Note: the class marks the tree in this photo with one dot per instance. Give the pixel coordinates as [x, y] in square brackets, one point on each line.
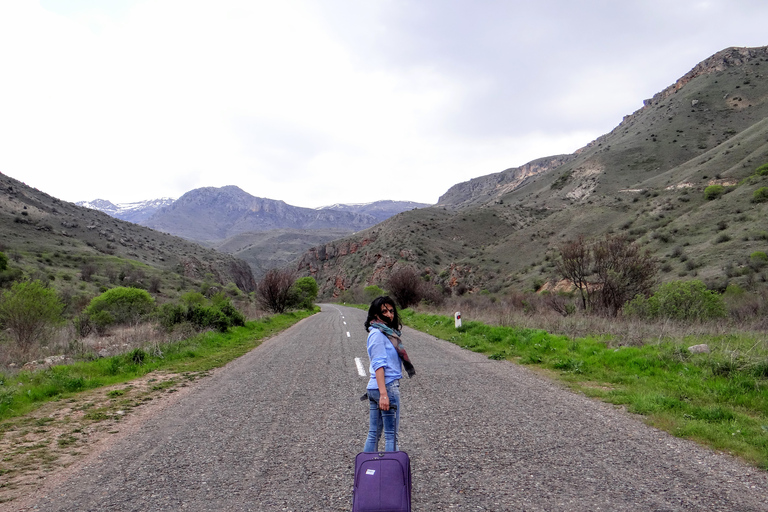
[31, 312]
[274, 290]
[574, 265]
[405, 286]
[607, 272]
[622, 272]
[304, 292]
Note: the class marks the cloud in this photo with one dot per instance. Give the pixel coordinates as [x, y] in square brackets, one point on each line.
[334, 101]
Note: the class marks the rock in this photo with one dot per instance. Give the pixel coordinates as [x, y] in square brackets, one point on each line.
[694, 102]
[699, 349]
[103, 353]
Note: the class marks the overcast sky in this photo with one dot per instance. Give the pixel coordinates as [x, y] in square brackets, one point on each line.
[330, 101]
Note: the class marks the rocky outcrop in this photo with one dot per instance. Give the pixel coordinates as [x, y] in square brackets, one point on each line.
[488, 188]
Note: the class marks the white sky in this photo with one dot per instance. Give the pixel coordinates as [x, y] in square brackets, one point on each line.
[330, 101]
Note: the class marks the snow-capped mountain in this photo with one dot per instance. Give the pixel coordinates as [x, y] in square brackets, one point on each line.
[136, 212]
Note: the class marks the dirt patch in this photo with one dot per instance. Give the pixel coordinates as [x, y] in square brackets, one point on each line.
[44, 447]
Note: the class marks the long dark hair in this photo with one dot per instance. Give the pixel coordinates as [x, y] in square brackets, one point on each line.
[374, 312]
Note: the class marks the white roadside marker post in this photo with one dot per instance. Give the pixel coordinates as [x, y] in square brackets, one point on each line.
[457, 319]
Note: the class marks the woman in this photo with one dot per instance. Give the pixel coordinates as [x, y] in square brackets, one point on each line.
[386, 355]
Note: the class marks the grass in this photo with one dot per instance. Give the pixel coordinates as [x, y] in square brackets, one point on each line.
[719, 399]
[24, 392]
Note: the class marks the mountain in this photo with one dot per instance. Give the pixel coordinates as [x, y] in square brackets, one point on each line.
[380, 210]
[645, 178]
[212, 214]
[81, 251]
[132, 212]
[266, 233]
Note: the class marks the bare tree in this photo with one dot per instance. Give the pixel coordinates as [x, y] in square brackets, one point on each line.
[405, 285]
[87, 271]
[574, 265]
[274, 290]
[607, 272]
[622, 272]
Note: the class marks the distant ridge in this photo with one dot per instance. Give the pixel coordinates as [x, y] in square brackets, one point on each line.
[135, 212]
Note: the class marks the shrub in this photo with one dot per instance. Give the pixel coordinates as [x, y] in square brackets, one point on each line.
[223, 304]
[762, 170]
[171, 314]
[713, 192]
[31, 311]
[371, 292]
[760, 195]
[679, 300]
[3, 261]
[123, 305]
[304, 293]
[220, 314]
[758, 260]
[207, 316]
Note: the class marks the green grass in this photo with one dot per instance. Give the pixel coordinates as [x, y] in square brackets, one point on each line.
[26, 391]
[718, 399]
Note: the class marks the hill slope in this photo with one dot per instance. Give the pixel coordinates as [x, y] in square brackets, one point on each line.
[55, 241]
[646, 178]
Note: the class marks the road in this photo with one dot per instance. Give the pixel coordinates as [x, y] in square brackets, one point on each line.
[278, 430]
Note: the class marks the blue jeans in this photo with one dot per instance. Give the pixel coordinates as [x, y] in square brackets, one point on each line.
[386, 421]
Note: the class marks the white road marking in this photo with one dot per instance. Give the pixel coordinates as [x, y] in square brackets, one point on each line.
[360, 368]
[345, 323]
[348, 334]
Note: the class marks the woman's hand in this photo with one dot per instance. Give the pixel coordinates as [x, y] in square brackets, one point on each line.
[384, 403]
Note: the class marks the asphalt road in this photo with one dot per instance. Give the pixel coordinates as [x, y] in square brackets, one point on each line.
[278, 430]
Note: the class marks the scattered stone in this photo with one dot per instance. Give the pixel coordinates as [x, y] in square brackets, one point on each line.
[699, 349]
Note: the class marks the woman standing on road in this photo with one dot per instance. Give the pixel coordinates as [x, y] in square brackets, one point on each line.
[386, 354]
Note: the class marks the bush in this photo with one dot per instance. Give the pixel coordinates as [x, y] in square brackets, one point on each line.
[31, 311]
[206, 316]
[3, 261]
[713, 192]
[679, 300]
[758, 260]
[304, 293]
[123, 305]
[760, 195]
[762, 170]
[219, 315]
[371, 292]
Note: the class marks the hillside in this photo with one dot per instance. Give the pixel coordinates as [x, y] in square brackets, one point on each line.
[78, 250]
[645, 178]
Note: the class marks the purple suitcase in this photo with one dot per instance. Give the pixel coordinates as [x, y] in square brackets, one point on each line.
[382, 482]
